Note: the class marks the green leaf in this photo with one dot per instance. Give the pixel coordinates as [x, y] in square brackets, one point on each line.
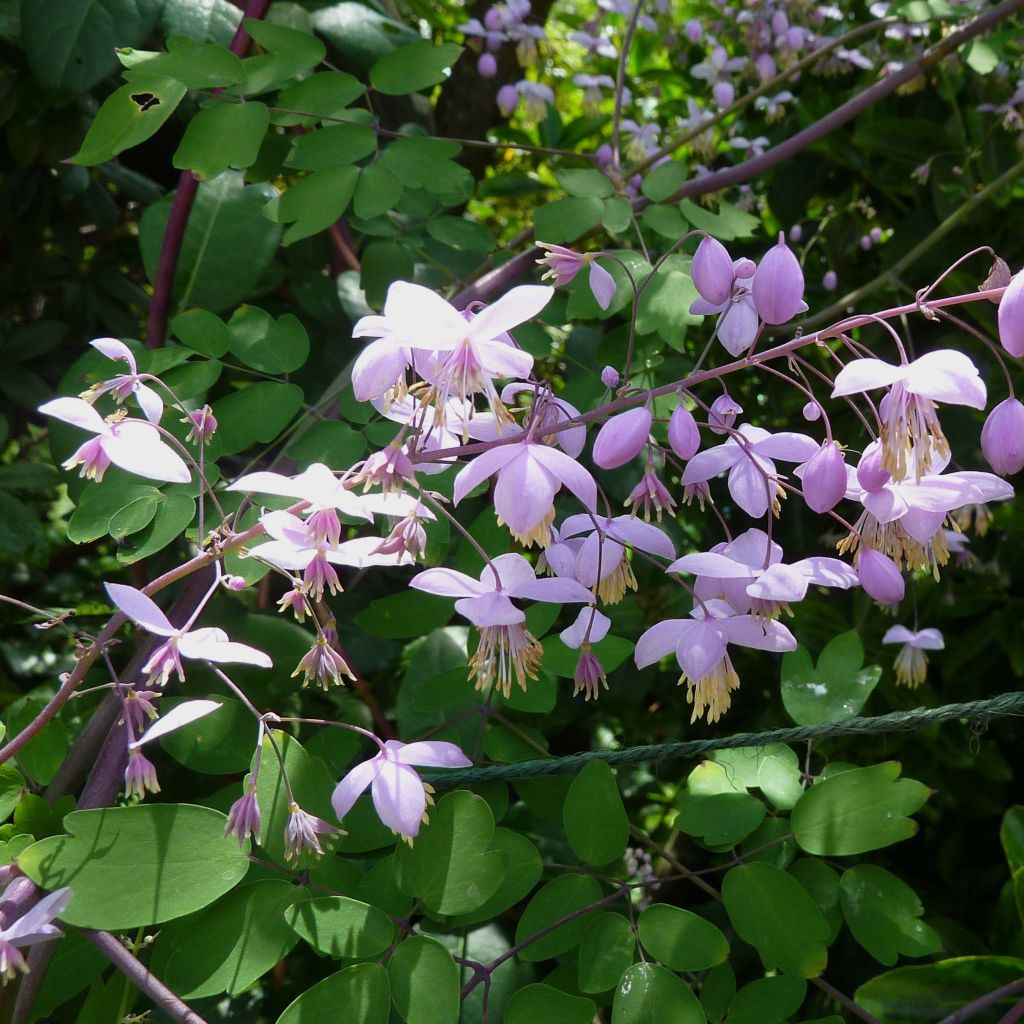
[12, 785]
[258, 412]
[979, 56]
[203, 331]
[774, 769]
[227, 219]
[220, 743]
[99, 504]
[196, 64]
[536, 1003]
[560, 898]
[720, 819]
[858, 810]
[612, 651]
[173, 515]
[725, 225]
[175, 855]
[586, 183]
[606, 950]
[717, 989]
[340, 927]
[382, 264]
[428, 164]
[773, 912]
[835, 690]
[70, 44]
[359, 33]
[406, 614]
[522, 872]
[928, 993]
[648, 994]
[272, 346]
[231, 943]
[462, 234]
[767, 999]
[136, 515]
[362, 990]
[377, 192]
[424, 982]
[323, 96]
[43, 755]
[212, 20]
[330, 442]
[661, 181]
[616, 214]
[884, 915]
[317, 201]
[288, 51]
[680, 939]
[665, 305]
[222, 136]
[129, 115]
[822, 885]
[565, 220]
[449, 866]
[329, 147]
[413, 67]
[594, 819]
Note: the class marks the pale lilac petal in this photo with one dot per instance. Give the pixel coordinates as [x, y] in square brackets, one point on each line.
[898, 635]
[419, 316]
[639, 534]
[140, 608]
[553, 589]
[935, 493]
[748, 486]
[525, 492]
[656, 642]
[751, 547]
[710, 462]
[700, 646]
[707, 563]
[561, 559]
[865, 375]
[34, 925]
[150, 403]
[377, 369]
[593, 552]
[571, 474]
[783, 583]
[588, 618]
[987, 486]
[579, 523]
[181, 714]
[75, 411]
[429, 754]
[701, 307]
[483, 466]
[489, 609]
[399, 798]
[266, 483]
[361, 552]
[828, 572]
[512, 568]
[922, 524]
[137, 448]
[503, 360]
[447, 583]
[212, 644]
[372, 326]
[788, 446]
[748, 631]
[511, 310]
[602, 285]
[947, 376]
[928, 640]
[283, 554]
[114, 349]
[351, 787]
[886, 504]
[737, 327]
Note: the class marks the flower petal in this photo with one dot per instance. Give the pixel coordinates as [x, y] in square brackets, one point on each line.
[399, 797]
[865, 375]
[552, 589]
[75, 411]
[511, 310]
[431, 754]
[710, 564]
[351, 787]
[898, 635]
[749, 487]
[140, 608]
[447, 583]
[151, 404]
[748, 631]
[602, 285]
[490, 609]
[589, 618]
[700, 646]
[378, 368]
[114, 349]
[212, 644]
[34, 925]
[710, 462]
[947, 376]
[137, 448]
[483, 466]
[525, 492]
[657, 641]
[569, 472]
[181, 714]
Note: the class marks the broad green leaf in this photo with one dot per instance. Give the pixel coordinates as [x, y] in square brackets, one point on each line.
[979, 56]
[449, 866]
[134, 516]
[12, 785]
[460, 233]
[362, 990]
[833, 691]
[543, 1003]
[665, 305]
[214, 21]
[231, 943]
[70, 44]
[99, 504]
[720, 819]
[606, 951]
[428, 164]
[859, 810]
[217, 744]
[331, 147]
[522, 872]
[258, 412]
[340, 927]
[928, 993]
[649, 994]
[413, 67]
[728, 223]
[287, 52]
[226, 219]
[774, 769]
[773, 912]
[594, 819]
[377, 191]
[222, 136]
[196, 64]
[406, 614]
[717, 990]
[129, 115]
[612, 651]
[203, 331]
[173, 515]
[1011, 835]
[323, 96]
[822, 885]
[330, 442]
[43, 755]
[382, 264]
[565, 220]
[175, 855]
[681, 939]
[884, 914]
[359, 33]
[587, 183]
[616, 214]
[317, 201]
[661, 181]
[272, 346]
[424, 982]
[767, 999]
[570, 896]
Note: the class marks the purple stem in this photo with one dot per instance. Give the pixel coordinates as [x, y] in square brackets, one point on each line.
[975, 1007]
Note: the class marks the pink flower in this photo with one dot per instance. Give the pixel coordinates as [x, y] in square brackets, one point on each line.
[1002, 437]
[140, 776]
[564, 264]
[323, 665]
[34, 926]
[590, 627]
[210, 644]
[880, 577]
[650, 493]
[622, 437]
[127, 384]
[317, 485]
[778, 286]
[683, 434]
[753, 478]
[911, 662]
[507, 649]
[738, 323]
[244, 816]
[700, 645]
[823, 477]
[722, 414]
[712, 271]
[129, 444]
[529, 475]
[911, 433]
[303, 832]
[399, 795]
[1011, 317]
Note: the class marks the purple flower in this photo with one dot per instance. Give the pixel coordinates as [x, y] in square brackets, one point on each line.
[486, 65]
[830, 282]
[722, 414]
[811, 412]
[700, 645]
[529, 476]
[202, 425]
[622, 437]
[244, 816]
[323, 665]
[911, 662]
[880, 577]
[610, 378]
[140, 776]
[712, 271]
[303, 832]
[129, 444]
[564, 264]
[34, 926]
[778, 286]
[1002, 437]
[127, 384]
[911, 433]
[507, 100]
[650, 494]
[399, 795]
[723, 93]
[507, 649]
[738, 323]
[683, 434]
[824, 478]
[1011, 317]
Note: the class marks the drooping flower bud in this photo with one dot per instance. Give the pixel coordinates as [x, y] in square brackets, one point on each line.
[712, 271]
[871, 472]
[507, 100]
[879, 577]
[683, 435]
[824, 478]
[610, 377]
[1011, 317]
[1002, 437]
[778, 286]
[812, 412]
[796, 232]
[622, 438]
[589, 675]
[724, 93]
[487, 66]
[830, 282]
[723, 413]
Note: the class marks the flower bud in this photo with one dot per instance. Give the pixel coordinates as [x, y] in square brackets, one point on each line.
[508, 100]
[830, 282]
[778, 285]
[871, 472]
[1002, 437]
[879, 577]
[812, 412]
[824, 478]
[712, 271]
[610, 377]
[744, 268]
[796, 232]
[487, 66]
[1011, 317]
[604, 155]
[683, 435]
[723, 93]
[875, 234]
[865, 242]
[694, 30]
[622, 438]
[723, 413]
[766, 69]
[492, 20]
